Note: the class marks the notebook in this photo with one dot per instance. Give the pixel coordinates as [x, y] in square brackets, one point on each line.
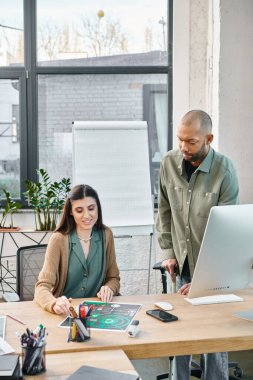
[8, 364]
[246, 314]
[93, 373]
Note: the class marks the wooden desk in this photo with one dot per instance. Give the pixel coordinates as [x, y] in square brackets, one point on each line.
[206, 328]
[62, 365]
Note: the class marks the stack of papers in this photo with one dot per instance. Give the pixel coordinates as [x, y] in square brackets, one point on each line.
[217, 298]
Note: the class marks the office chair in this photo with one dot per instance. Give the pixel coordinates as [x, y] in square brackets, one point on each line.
[29, 263]
[195, 367]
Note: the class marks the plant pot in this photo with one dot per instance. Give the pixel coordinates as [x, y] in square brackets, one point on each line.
[8, 229]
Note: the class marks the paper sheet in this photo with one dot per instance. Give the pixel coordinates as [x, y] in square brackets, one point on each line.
[5, 348]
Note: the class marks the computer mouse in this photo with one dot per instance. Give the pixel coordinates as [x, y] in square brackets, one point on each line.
[164, 305]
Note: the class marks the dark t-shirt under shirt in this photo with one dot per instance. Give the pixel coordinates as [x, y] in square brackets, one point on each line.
[189, 169]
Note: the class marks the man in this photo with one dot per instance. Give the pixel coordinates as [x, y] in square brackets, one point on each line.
[193, 178]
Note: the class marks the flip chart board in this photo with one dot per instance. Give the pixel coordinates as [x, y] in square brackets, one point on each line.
[113, 158]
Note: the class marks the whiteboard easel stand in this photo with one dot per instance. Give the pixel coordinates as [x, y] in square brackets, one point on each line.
[113, 168]
[151, 243]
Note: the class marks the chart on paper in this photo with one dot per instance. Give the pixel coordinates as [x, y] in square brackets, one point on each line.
[110, 316]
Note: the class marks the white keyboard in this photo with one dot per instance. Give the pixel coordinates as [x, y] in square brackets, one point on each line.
[217, 298]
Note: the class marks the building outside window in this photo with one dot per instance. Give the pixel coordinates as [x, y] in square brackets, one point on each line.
[105, 60]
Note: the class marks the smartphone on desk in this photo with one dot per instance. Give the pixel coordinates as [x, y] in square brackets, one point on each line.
[162, 315]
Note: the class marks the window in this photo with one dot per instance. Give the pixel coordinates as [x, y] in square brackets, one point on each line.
[11, 33]
[67, 98]
[9, 137]
[155, 113]
[62, 61]
[86, 30]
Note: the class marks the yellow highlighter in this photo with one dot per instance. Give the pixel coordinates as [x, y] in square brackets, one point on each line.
[73, 331]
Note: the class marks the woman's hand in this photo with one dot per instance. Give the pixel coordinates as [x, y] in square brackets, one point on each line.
[105, 293]
[62, 305]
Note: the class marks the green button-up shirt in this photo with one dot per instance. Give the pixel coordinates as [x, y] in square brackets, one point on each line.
[183, 207]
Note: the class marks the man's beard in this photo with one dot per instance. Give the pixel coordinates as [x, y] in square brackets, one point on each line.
[199, 156]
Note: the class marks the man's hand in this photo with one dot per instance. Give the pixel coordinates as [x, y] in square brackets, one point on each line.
[170, 265]
[184, 290]
[62, 305]
[105, 293]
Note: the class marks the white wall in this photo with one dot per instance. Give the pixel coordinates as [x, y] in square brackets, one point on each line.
[189, 58]
[213, 68]
[180, 62]
[236, 89]
[213, 60]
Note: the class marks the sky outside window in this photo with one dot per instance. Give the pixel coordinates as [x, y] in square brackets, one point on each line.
[84, 29]
[11, 33]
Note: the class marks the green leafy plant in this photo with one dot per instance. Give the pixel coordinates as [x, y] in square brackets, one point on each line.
[9, 208]
[47, 199]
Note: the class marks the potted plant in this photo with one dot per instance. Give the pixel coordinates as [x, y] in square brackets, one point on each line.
[9, 208]
[47, 199]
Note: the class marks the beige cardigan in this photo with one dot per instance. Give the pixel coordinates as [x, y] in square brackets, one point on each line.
[53, 275]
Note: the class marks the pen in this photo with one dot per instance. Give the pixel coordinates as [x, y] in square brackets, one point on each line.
[69, 336]
[15, 319]
[91, 308]
[73, 312]
[38, 330]
[82, 312]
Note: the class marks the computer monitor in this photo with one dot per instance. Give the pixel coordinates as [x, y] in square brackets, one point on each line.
[226, 254]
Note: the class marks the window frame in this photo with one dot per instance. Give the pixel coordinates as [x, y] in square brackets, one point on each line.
[28, 76]
[149, 90]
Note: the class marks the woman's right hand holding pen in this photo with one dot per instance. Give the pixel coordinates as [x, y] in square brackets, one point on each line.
[62, 305]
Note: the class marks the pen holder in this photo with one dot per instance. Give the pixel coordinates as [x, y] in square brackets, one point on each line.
[79, 330]
[33, 359]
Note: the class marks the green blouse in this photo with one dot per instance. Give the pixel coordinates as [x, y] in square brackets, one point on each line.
[85, 276]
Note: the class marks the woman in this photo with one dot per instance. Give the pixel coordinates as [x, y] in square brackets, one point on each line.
[80, 260]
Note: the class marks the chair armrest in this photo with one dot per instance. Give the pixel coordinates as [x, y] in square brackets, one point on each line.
[158, 266]
[11, 297]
